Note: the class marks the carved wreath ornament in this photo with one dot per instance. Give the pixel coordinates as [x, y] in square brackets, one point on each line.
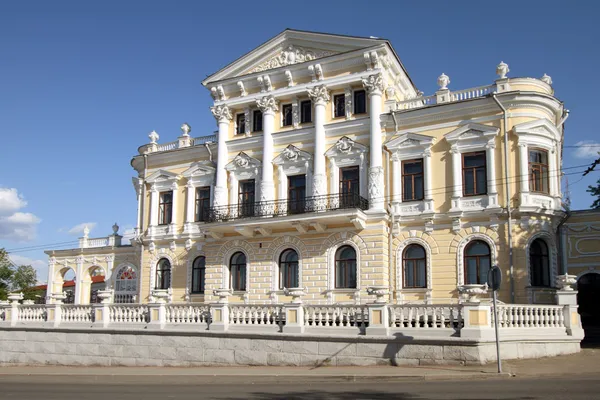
[291, 55]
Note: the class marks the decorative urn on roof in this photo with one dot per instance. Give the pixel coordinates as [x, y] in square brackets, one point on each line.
[443, 81]
[502, 70]
[186, 129]
[153, 137]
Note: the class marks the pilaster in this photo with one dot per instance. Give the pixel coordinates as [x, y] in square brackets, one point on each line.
[223, 117]
[320, 97]
[373, 84]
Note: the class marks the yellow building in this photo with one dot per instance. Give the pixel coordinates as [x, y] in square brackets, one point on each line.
[330, 171]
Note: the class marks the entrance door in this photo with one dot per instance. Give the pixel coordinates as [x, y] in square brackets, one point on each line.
[588, 298]
[296, 194]
[349, 186]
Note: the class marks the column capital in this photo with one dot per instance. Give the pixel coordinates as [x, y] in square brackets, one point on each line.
[189, 184]
[373, 84]
[267, 104]
[319, 94]
[221, 113]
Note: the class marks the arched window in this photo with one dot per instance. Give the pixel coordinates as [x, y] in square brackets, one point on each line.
[415, 270]
[477, 262]
[345, 268]
[198, 273]
[288, 269]
[539, 263]
[163, 274]
[125, 285]
[237, 271]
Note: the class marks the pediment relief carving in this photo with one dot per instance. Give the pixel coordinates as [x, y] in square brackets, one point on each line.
[291, 154]
[471, 131]
[291, 54]
[346, 148]
[410, 140]
[541, 127]
[199, 169]
[242, 161]
[162, 176]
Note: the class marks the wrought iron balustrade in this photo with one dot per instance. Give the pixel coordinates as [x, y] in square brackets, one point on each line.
[280, 208]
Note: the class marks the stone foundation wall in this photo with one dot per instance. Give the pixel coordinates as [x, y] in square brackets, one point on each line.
[20, 346]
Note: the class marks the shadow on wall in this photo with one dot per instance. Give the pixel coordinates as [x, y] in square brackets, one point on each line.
[390, 352]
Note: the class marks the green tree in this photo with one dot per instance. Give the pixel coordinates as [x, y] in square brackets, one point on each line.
[15, 279]
[595, 191]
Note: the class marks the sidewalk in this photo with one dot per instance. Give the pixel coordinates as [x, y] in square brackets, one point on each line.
[586, 362]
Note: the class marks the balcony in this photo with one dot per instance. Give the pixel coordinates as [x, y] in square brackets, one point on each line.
[313, 212]
[281, 208]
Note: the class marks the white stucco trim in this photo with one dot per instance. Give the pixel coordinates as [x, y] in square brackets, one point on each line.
[460, 267]
[400, 266]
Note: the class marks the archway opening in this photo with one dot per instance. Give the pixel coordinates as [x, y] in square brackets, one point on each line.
[125, 281]
[64, 282]
[92, 281]
[588, 298]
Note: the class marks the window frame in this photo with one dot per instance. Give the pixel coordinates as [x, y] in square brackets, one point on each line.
[355, 102]
[285, 107]
[199, 210]
[474, 170]
[160, 271]
[347, 267]
[334, 105]
[544, 179]
[415, 267]
[240, 129]
[303, 120]
[478, 261]
[243, 287]
[257, 121]
[284, 267]
[412, 177]
[165, 209]
[202, 276]
[542, 263]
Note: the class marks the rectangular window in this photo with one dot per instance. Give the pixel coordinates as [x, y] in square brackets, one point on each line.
[474, 174]
[165, 208]
[339, 105]
[412, 180]
[202, 202]
[286, 115]
[349, 186]
[246, 198]
[538, 171]
[360, 102]
[240, 124]
[257, 120]
[305, 112]
[296, 194]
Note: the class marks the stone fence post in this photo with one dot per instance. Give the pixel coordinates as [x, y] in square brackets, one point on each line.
[220, 310]
[379, 313]
[477, 319]
[568, 299]
[102, 310]
[55, 309]
[294, 311]
[14, 308]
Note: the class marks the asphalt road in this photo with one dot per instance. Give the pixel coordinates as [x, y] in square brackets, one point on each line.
[66, 387]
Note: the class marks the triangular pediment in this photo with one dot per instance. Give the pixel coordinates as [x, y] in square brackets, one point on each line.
[345, 146]
[291, 47]
[200, 168]
[162, 176]
[471, 131]
[409, 139]
[242, 161]
[539, 127]
[290, 155]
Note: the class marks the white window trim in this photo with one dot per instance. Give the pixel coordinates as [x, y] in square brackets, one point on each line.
[552, 255]
[290, 162]
[154, 263]
[243, 167]
[410, 146]
[226, 274]
[333, 95]
[544, 135]
[347, 153]
[473, 137]
[460, 259]
[200, 174]
[275, 269]
[191, 257]
[400, 290]
[331, 269]
[162, 181]
[115, 271]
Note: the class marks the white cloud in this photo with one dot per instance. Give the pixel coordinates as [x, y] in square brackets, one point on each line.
[41, 266]
[78, 229]
[10, 201]
[586, 149]
[15, 225]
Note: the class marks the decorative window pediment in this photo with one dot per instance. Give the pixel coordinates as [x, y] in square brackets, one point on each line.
[409, 145]
[201, 168]
[471, 136]
[540, 132]
[243, 166]
[292, 155]
[346, 149]
[162, 179]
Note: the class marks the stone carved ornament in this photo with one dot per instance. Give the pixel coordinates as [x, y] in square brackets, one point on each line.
[291, 55]
[373, 83]
[267, 104]
[221, 113]
[344, 145]
[291, 153]
[375, 181]
[319, 94]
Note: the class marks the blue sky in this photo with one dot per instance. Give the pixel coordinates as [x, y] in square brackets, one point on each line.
[83, 83]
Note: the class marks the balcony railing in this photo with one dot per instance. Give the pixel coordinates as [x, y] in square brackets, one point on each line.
[280, 208]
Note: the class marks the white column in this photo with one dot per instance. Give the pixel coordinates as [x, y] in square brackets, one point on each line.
[173, 226]
[524, 167]
[137, 185]
[374, 86]
[190, 213]
[110, 263]
[223, 117]
[490, 153]
[320, 97]
[396, 179]
[50, 286]
[428, 181]
[268, 106]
[78, 280]
[282, 185]
[456, 178]
[153, 206]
